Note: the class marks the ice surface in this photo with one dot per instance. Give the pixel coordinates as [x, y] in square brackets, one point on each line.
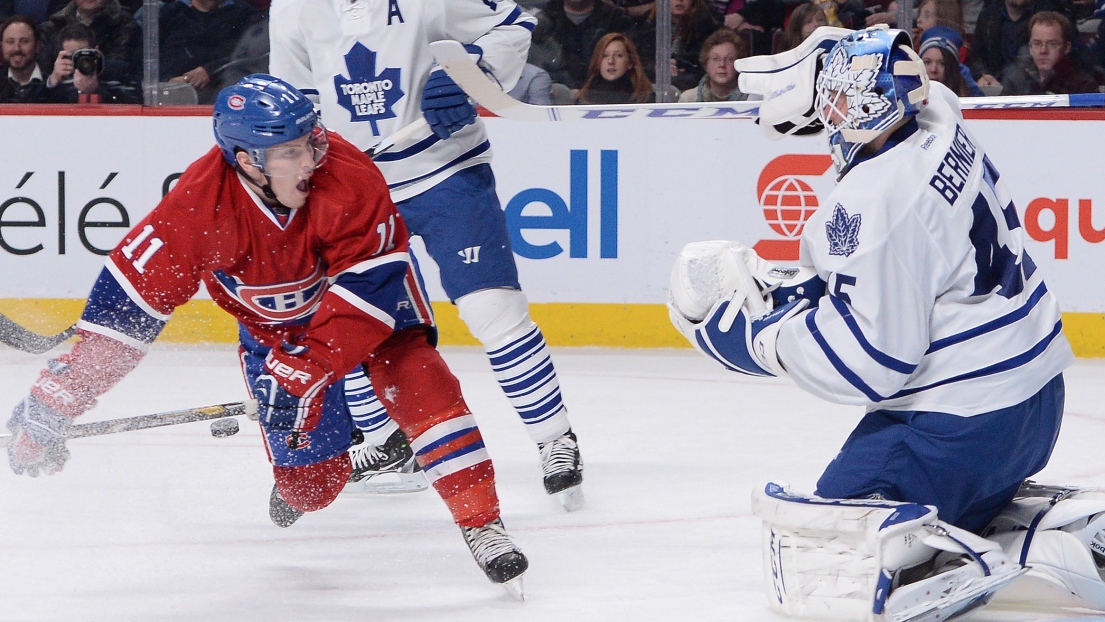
[172, 524]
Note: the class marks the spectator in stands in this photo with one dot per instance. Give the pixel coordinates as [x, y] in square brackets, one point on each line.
[37, 10]
[934, 13]
[576, 27]
[615, 75]
[804, 19]
[637, 9]
[940, 46]
[19, 45]
[756, 19]
[114, 27]
[534, 86]
[1049, 67]
[1001, 33]
[77, 71]
[691, 22]
[198, 39]
[719, 52]
[250, 55]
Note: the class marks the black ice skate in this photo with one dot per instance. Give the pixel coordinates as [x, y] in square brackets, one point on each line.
[563, 469]
[394, 460]
[282, 514]
[497, 555]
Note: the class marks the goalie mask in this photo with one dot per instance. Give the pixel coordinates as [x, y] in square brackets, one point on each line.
[872, 79]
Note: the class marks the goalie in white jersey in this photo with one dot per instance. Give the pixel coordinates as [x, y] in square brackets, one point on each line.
[369, 67]
[917, 300]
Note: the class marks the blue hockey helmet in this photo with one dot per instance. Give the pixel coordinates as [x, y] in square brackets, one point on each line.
[871, 80]
[262, 111]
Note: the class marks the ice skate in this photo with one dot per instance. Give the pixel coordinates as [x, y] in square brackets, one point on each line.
[497, 555]
[282, 514]
[386, 469]
[563, 469]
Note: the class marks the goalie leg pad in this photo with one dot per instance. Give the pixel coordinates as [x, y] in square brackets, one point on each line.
[844, 559]
[1059, 534]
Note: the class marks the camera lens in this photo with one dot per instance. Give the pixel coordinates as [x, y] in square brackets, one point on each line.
[89, 61]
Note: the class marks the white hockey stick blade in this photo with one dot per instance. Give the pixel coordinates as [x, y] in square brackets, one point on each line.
[144, 422]
[389, 484]
[400, 138]
[456, 62]
[571, 499]
[514, 589]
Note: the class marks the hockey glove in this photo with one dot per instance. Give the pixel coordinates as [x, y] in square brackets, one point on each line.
[787, 83]
[291, 392]
[445, 105]
[38, 438]
[740, 341]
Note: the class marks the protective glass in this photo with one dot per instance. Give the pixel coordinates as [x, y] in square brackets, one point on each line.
[298, 156]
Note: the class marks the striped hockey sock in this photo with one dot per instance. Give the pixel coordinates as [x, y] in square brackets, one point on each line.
[453, 457]
[524, 369]
[367, 411]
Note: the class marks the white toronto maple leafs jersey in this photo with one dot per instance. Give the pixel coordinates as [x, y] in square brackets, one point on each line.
[931, 302]
[365, 62]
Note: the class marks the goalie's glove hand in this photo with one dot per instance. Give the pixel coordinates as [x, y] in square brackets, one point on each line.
[291, 392]
[445, 105]
[739, 340]
[38, 438]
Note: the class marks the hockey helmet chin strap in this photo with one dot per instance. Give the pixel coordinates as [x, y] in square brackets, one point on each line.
[266, 189]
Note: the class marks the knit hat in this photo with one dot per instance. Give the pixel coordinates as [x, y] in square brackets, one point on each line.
[941, 37]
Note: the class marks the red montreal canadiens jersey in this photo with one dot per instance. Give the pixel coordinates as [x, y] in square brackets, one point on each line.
[339, 265]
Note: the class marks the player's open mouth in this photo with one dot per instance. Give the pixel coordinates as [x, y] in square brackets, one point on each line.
[303, 186]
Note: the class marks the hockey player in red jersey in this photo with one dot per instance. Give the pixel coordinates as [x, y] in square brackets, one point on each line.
[294, 233]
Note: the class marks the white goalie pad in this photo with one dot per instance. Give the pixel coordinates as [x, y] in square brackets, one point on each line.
[873, 560]
[1059, 534]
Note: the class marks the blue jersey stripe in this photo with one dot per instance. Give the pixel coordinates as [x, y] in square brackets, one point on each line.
[997, 368]
[445, 439]
[838, 364]
[110, 306]
[475, 151]
[415, 149]
[881, 358]
[992, 325]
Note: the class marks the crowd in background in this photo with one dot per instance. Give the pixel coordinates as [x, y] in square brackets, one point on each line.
[583, 51]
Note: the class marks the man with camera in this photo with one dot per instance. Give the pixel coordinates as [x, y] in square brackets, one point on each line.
[76, 75]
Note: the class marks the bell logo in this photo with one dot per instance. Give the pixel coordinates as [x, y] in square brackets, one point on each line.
[788, 201]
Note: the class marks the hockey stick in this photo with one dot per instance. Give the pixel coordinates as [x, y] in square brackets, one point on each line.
[144, 422]
[402, 135]
[20, 338]
[453, 58]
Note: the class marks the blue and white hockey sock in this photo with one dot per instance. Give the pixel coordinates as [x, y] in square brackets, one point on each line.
[368, 413]
[524, 369]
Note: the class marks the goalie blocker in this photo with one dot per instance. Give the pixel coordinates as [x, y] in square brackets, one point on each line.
[877, 560]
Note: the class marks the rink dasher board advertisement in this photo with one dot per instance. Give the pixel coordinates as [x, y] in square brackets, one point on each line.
[596, 210]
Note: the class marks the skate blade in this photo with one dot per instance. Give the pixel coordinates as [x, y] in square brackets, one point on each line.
[390, 484]
[571, 498]
[514, 588]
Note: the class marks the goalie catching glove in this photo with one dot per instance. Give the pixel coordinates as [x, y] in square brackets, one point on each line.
[729, 303]
[291, 392]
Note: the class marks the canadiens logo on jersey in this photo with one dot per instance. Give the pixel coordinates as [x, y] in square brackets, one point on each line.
[281, 302]
[843, 232]
[367, 95]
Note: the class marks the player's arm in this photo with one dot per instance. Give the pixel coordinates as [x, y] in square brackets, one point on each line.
[866, 336]
[143, 279]
[288, 57]
[496, 32]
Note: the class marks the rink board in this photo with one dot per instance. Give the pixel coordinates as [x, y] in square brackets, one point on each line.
[597, 210]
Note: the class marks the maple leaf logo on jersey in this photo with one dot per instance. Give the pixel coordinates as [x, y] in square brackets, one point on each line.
[367, 95]
[843, 232]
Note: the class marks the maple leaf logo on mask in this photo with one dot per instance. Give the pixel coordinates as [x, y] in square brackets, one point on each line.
[367, 96]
